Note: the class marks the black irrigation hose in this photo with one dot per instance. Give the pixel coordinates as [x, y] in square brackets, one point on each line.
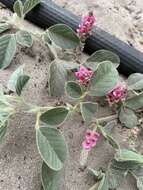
[48, 13]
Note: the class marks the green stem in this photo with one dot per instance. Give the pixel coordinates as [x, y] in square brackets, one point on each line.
[37, 120]
[106, 119]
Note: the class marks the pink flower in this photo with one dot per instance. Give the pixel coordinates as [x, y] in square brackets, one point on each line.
[86, 25]
[83, 75]
[91, 139]
[135, 131]
[119, 93]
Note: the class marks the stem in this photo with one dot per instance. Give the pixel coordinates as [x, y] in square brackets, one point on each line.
[106, 119]
[37, 120]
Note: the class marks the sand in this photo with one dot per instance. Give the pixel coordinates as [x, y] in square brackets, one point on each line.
[20, 163]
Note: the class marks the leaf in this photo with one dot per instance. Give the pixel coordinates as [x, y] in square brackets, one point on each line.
[3, 129]
[138, 174]
[115, 176]
[55, 116]
[123, 155]
[18, 8]
[135, 81]
[140, 183]
[104, 80]
[135, 102]
[97, 173]
[50, 178]
[4, 27]
[24, 38]
[102, 56]
[57, 79]
[7, 50]
[29, 5]
[109, 127]
[88, 110]
[103, 184]
[63, 36]
[73, 90]
[128, 118]
[52, 147]
[21, 82]
[14, 77]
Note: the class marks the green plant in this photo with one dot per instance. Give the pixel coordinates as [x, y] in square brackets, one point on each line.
[85, 84]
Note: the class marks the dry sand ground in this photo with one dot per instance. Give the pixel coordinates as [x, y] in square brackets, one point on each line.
[19, 161]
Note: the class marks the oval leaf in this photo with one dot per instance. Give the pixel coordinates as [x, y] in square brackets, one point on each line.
[52, 147]
[104, 80]
[21, 82]
[18, 8]
[57, 79]
[73, 90]
[102, 56]
[128, 118]
[135, 102]
[55, 116]
[50, 178]
[88, 110]
[24, 38]
[135, 81]
[29, 5]
[63, 36]
[7, 50]
[14, 77]
[103, 184]
[4, 27]
[123, 155]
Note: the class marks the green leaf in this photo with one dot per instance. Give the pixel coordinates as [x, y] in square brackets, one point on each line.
[125, 165]
[73, 90]
[102, 56]
[7, 50]
[63, 36]
[3, 129]
[138, 174]
[14, 77]
[104, 80]
[88, 110]
[135, 102]
[140, 183]
[4, 27]
[50, 178]
[55, 116]
[123, 155]
[29, 5]
[115, 176]
[97, 173]
[135, 81]
[21, 82]
[128, 118]
[52, 147]
[57, 79]
[24, 38]
[103, 184]
[18, 8]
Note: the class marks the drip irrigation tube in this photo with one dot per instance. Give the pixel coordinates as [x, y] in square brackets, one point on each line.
[48, 13]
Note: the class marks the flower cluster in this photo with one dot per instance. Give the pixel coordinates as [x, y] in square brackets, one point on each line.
[83, 75]
[91, 139]
[119, 93]
[135, 132]
[86, 25]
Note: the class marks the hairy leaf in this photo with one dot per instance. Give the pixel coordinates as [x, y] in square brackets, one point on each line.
[50, 178]
[63, 36]
[24, 38]
[14, 77]
[73, 90]
[103, 184]
[55, 116]
[135, 81]
[104, 80]
[29, 5]
[102, 56]
[138, 174]
[135, 102]
[7, 50]
[21, 82]
[18, 8]
[52, 147]
[4, 27]
[57, 79]
[3, 129]
[123, 155]
[88, 110]
[128, 118]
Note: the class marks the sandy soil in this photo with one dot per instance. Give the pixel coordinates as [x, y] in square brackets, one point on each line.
[19, 160]
[122, 18]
